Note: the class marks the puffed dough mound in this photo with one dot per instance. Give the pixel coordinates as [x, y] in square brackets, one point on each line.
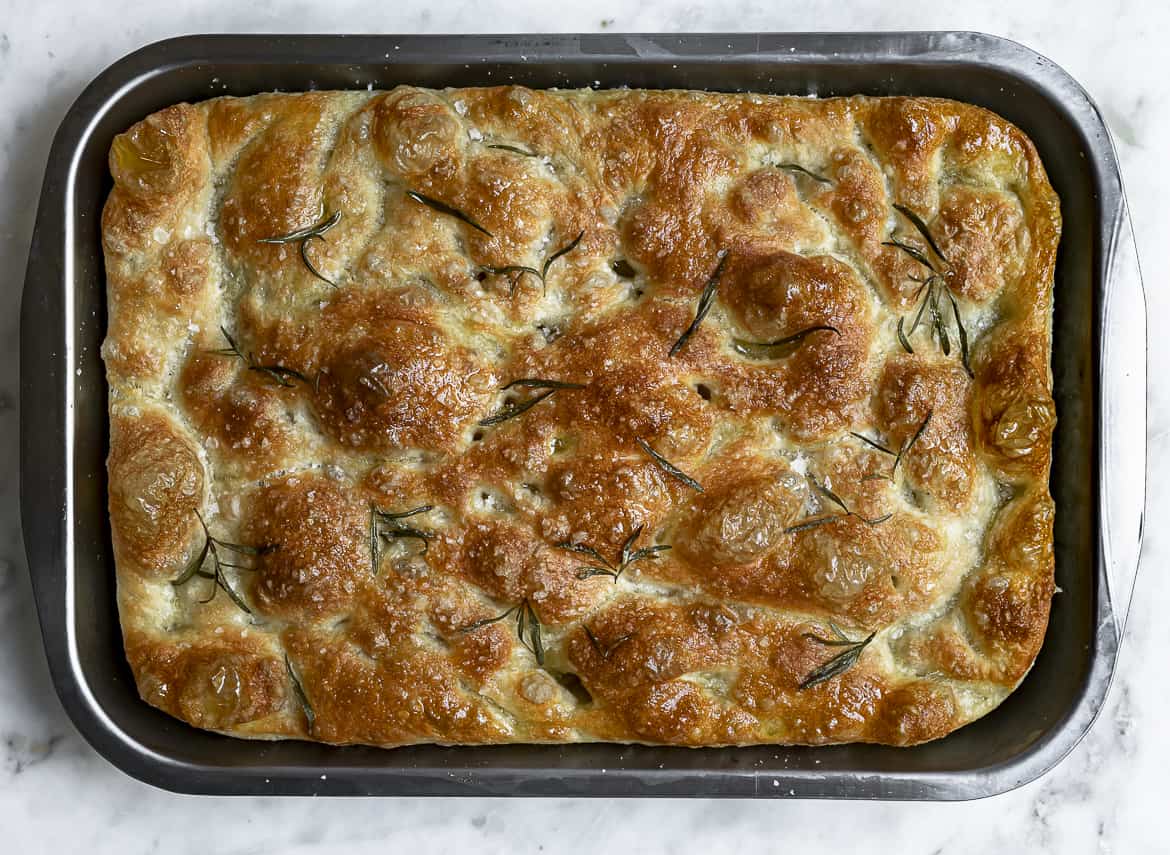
[270, 585]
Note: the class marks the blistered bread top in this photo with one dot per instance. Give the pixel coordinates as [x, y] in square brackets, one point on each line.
[775, 469]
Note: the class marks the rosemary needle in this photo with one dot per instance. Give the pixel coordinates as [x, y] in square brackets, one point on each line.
[278, 373]
[706, 300]
[511, 410]
[668, 467]
[528, 629]
[604, 650]
[626, 557]
[921, 227]
[840, 663]
[542, 274]
[781, 347]
[514, 149]
[219, 582]
[301, 237]
[796, 167]
[385, 525]
[444, 208]
[814, 522]
[299, 691]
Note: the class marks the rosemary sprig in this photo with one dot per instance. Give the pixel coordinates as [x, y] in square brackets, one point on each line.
[814, 522]
[796, 167]
[527, 624]
[913, 251]
[301, 237]
[902, 451]
[781, 347]
[932, 286]
[922, 229]
[212, 546]
[299, 691]
[512, 148]
[706, 299]
[444, 208]
[511, 410]
[668, 467]
[542, 274]
[386, 526]
[278, 373]
[840, 663]
[627, 556]
[604, 650]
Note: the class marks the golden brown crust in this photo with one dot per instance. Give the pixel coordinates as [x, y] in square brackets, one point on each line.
[220, 687]
[156, 486]
[316, 521]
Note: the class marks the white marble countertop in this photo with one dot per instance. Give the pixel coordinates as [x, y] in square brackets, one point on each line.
[57, 795]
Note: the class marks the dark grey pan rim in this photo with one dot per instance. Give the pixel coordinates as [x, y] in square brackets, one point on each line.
[1114, 373]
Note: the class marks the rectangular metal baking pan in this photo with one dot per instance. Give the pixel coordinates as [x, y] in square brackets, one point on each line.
[1099, 364]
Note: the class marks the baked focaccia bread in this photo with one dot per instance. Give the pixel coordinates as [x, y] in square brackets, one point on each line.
[499, 415]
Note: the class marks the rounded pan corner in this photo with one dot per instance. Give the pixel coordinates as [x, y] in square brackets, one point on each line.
[128, 756]
[1065, 89]
[1052, 750]
[147, 61]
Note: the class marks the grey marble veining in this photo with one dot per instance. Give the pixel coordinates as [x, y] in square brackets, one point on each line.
[57, 795]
